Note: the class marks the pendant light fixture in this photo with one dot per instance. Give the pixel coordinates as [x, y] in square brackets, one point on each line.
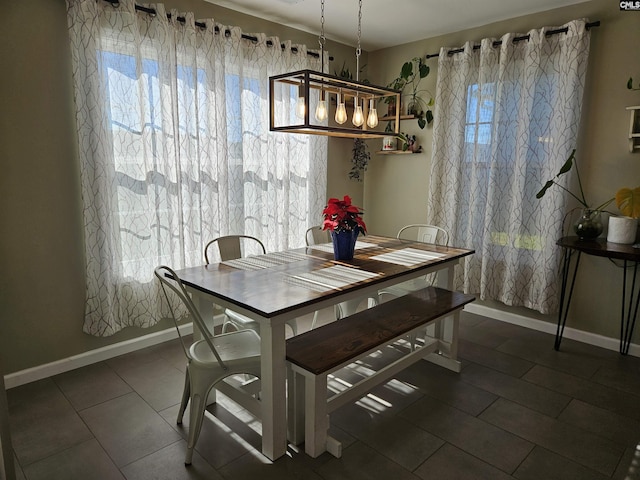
[301, 101]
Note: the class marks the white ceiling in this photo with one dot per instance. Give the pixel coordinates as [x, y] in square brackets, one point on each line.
[386, 23]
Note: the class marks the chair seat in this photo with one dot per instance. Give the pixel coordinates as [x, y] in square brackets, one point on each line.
[405, 288]
[242, 322]
[243, 344]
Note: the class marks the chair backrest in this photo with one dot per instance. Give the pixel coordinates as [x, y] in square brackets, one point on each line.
[170, 282]
[316, 235]
[425, 234]
[231, 247]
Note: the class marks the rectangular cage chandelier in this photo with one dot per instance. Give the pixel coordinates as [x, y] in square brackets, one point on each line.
[316, 103]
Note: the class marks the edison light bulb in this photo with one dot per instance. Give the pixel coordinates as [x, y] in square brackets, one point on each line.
[341, 111]
[321, 109]
[300, 107]
[372, 119]
[358, 116]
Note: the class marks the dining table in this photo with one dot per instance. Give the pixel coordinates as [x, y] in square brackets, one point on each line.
[279, 286]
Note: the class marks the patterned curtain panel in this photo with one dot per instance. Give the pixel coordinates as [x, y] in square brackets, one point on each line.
[507, 118]
[174, 148]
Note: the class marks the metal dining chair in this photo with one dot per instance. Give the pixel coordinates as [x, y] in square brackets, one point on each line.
[314, 236]
[210, 360]
[420, 233]
[232, 247]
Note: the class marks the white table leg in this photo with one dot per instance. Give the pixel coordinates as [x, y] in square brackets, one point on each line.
[446, 329]
[273, 397]
[295, 406]
[7, 470]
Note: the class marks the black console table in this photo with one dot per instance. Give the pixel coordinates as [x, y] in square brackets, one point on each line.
[601, 248]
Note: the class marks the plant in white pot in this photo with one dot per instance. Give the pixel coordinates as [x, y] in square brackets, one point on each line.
[624, 229]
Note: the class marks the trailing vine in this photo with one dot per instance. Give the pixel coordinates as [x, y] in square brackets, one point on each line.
[360, 159]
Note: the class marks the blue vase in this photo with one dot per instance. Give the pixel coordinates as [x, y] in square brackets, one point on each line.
[344, 244]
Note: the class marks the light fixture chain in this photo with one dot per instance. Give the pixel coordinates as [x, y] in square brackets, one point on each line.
[359, 50]
[322, 39]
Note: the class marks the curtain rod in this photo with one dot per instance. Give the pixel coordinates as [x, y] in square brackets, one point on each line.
[497, 43]
[152, 11]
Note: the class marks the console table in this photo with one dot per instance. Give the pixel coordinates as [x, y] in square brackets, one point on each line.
[599, 247]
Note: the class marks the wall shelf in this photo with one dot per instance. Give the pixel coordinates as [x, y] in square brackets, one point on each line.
[392, 118]
[397, 152]
[634, 129]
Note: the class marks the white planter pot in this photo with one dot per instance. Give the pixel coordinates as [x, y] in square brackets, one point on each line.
[622, 230]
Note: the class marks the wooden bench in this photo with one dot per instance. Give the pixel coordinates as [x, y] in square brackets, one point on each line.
[314, 355]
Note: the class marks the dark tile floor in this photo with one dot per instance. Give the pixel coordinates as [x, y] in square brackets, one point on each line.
[518, 409]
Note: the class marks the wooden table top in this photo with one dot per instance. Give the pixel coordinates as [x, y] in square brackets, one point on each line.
[281, 288]
[601, 248]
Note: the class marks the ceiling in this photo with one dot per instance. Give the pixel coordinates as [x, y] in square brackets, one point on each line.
[388, 23]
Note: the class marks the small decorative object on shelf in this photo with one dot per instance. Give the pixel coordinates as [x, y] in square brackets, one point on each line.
[634, 129]
[389, 143]
[343, 220]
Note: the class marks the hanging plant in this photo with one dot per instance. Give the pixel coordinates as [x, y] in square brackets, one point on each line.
[360, 159]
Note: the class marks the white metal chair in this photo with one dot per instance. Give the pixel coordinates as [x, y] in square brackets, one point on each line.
[313, 236]
[210, 360]
[421, 233]
[232, 247]
[316, 235]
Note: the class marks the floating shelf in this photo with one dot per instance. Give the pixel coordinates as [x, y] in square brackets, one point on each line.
[397, 152]
[402, 117]
[634, 128]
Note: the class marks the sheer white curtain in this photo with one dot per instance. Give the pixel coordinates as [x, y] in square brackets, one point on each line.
[175, 150]
[507, 118]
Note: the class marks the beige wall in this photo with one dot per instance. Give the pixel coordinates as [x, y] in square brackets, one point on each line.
[41, 246]
[397, 186]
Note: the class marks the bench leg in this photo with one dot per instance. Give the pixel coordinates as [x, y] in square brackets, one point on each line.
[447, 333]
[316, 417]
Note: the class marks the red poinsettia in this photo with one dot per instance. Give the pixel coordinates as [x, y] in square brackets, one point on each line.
[340, 215]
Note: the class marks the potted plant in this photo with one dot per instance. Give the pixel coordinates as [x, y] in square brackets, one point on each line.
[624, 229]
[343, 221]
[409, 142]
[589, 225]
[408, 82]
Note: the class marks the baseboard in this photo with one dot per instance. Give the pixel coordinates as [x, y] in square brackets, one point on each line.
[93, 356]
[87, 358]
[535, 324]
